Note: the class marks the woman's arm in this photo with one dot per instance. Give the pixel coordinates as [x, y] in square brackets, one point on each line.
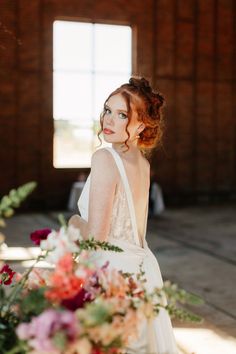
[79, 223]
[103, 180]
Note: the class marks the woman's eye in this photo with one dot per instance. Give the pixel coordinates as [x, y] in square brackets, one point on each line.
[107, 110]
[123, 116]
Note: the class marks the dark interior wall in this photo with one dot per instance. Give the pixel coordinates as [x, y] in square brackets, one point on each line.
[186, 48]
[195, 67]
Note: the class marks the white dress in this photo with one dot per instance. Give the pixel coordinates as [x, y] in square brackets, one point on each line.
[156, 337]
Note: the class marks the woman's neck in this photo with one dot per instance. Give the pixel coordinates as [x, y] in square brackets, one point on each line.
[122, 149]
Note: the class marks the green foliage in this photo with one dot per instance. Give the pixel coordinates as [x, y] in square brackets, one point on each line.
[2, 295]
[60, 340]
[13, 200]
[177, 296]
[8, 337]
[62, 220]
[29, 305]
[95, 313]
[21, 347]
[183, 315]
[175, 293]
[33, 304]
[92, 244]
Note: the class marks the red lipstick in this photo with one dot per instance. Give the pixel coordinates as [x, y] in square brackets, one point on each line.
[108, 131]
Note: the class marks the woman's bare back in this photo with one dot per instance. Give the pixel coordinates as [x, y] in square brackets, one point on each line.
[138, 173]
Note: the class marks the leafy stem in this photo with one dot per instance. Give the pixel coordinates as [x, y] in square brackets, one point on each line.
[19, 286]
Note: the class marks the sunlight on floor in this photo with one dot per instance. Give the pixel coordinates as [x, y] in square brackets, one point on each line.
[204, 341]
[19, 253]
[40, 264]
[23, 256]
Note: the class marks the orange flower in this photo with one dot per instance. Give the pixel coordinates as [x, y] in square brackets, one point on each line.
[63, 287]
[64, 284]
[113, 283]
[65, 264]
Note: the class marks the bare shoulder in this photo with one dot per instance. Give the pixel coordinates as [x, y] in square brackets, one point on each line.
[103, 160]
[101, 155]
[146, 163]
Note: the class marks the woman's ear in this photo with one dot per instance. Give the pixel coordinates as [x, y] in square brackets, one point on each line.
[141, 127]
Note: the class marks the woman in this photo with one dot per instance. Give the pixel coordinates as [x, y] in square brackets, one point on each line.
[114, 201]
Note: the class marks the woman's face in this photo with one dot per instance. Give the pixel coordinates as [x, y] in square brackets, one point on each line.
[115, 120]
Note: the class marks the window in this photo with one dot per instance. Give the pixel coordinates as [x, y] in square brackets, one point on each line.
[89, 61]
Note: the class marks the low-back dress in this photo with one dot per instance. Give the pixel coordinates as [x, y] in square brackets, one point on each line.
[156, 337]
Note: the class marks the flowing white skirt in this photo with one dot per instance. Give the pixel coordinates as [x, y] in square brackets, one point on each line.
[156, 337]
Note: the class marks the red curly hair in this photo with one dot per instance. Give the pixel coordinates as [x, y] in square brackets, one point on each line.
[148, 105]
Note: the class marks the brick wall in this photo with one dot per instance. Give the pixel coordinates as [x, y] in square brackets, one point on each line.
[186, 48]
[195, 57]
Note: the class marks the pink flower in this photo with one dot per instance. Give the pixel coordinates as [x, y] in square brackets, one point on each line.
[39, 235]
[41, 330]
[18, 277]
[6, 275]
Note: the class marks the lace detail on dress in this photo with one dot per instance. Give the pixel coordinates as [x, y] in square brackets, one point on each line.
[120, 226]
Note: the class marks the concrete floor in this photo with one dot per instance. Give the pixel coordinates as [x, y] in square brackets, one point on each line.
[196, 248]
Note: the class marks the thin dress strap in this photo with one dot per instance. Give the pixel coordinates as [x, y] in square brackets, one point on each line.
[146, 217]
[124, 177]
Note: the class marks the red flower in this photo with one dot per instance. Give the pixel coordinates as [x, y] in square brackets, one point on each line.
[6, 275]
[96, 350]
[39, 235]
[77, 301]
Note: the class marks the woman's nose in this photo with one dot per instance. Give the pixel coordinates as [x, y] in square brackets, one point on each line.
[110, 119]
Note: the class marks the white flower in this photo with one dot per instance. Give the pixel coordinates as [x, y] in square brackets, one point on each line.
[74, 233]
[81, 273]
[60, 242]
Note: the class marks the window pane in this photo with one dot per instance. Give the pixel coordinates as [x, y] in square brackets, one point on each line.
[72, 96]
[72, 45]
[104, 85]
[112, 48]
[72, 145]
[89, 61]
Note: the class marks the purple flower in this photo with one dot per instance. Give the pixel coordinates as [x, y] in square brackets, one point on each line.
[42, 329]
[39, 235]
[6, 275]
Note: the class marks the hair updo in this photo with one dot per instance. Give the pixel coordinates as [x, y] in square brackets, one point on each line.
[148, 104]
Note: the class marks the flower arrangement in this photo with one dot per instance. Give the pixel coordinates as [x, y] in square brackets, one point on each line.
[74, 306]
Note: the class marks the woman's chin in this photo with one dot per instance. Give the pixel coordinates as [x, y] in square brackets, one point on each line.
[108, 138]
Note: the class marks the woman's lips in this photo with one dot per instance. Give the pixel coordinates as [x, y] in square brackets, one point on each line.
[108, 131]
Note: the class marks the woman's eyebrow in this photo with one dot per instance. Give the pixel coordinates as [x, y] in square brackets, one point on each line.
[120, 110]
